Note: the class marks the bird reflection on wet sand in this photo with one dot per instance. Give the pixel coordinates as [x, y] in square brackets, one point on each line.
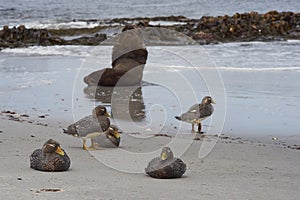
[127, 101]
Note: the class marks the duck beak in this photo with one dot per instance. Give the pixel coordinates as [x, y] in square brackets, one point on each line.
[114, 140]
[60, 151]
[116, 134]
[212, 101]
[164, 156]
[107, 114]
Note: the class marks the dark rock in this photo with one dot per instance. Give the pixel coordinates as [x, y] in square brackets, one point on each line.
[23, 37]
[92, 41]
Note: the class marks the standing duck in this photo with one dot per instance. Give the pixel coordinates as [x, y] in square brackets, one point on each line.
[166, 166]
[198, 112]
[90, 126]
[50, 158]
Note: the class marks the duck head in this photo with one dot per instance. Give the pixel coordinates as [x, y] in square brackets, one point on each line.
[208, 100]
[100, 111]
[166, 154]
[51, 146]
[113, 135]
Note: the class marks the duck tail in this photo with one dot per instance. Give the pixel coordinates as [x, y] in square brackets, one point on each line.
[177, 117]
[71, 131]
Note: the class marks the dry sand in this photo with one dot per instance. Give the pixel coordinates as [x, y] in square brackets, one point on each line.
[234, 169]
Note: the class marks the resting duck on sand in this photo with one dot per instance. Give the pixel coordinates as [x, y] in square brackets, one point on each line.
[166, 166]
[50, 158]
[110, 139]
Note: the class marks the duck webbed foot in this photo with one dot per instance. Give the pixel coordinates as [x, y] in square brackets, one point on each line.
[94, 146]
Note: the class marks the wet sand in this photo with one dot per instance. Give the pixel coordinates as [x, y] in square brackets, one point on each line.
[234, 169]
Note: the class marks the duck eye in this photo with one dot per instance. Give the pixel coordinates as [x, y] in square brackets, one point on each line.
[51, 145]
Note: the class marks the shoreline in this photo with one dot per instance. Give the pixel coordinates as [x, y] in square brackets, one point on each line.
[234, 169]
[282, 141]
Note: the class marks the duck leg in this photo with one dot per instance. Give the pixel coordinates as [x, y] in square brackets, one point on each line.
[193, 127]
[84, 144]
[94, 146]
[199, 128]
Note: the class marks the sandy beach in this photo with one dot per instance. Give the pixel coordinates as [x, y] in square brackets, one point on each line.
[236, 168]
[247, 61]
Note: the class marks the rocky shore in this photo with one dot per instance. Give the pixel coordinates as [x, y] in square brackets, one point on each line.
[251, 26]
[23, 37]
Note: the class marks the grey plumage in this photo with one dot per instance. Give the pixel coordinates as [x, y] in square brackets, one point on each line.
[88, 124]
[198, 112]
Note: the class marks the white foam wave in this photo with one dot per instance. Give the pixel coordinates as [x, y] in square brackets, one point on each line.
[165, 23]
[52, 24]
[293, 41]
[58, 25]
[260, 68]
[245, 69]
[76, 51]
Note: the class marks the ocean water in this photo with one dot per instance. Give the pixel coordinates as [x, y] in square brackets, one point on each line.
[256, 84]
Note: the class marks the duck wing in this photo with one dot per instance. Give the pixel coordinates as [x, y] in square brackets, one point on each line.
[56, 162]
[171, 169]
[192, 114]
[83, 127]
[35, 159]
